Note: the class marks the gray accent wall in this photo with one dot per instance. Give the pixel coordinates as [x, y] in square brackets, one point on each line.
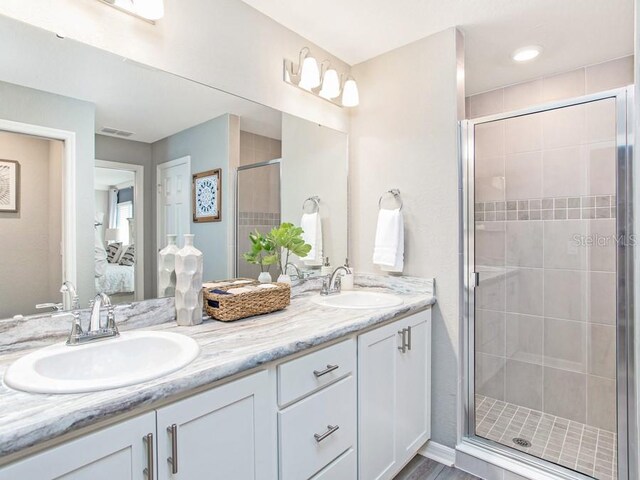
[35, 107]
[136, 153]
[208, 145]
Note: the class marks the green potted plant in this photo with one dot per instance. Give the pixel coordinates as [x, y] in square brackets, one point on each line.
[263, 254]
[287, 240]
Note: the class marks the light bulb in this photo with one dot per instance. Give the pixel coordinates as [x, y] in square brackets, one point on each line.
[330, 85]
[310, 75]
[350, 97]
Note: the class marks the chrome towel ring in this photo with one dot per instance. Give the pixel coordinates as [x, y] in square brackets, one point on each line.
[316, 204]
[396, 195]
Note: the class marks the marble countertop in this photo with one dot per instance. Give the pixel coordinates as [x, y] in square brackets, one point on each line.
[226, 349]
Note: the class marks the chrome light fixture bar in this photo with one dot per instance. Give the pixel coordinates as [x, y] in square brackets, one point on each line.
[148, 10]
[322, 81]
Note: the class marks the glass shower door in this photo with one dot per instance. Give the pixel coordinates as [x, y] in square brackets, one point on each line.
[258, 208]
[544, 316]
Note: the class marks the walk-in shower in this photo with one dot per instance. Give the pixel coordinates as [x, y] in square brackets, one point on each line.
[258, 208]
[546, 194]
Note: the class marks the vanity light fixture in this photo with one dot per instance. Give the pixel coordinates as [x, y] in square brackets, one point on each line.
[150, 10]
[324, 82]
[350, 96]
[526, 54]
[330, 85]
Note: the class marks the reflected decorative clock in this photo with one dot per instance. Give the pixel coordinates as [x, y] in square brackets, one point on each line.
[207, 192]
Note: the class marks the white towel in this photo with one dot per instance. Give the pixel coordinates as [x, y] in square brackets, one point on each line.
[388, 250]
[312, 226]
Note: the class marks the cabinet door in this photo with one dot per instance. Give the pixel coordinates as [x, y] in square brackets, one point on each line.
[116, 452]
[377, 402]
[227, 432]
[414, 387]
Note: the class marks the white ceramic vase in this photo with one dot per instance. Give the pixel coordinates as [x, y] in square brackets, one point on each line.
[189, 265]
[264, 277]
[284, 279]
[167, 268]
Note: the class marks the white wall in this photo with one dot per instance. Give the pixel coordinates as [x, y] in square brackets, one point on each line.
[223, 43]
[315, 162]
[403, 135]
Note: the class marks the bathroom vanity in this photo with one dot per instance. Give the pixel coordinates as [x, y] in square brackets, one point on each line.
[309, 392]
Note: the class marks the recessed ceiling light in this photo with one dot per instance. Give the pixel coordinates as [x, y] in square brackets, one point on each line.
[525, 54]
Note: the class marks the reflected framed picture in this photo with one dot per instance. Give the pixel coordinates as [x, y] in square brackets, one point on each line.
[9, 186]
[207, 196]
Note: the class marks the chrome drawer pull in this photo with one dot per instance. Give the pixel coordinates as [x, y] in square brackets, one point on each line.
[319, 437]
[173, 459]
[409, 340]
[148, 439]
[329, 369]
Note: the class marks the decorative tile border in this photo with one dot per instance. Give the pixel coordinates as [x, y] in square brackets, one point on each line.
[258, 218]
[559, 208]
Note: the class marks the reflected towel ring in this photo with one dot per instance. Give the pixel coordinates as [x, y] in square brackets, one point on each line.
[396, 194]
[316, 200]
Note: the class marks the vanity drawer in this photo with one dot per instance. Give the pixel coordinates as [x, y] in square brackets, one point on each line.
[307, 443]
[344, 467]
[311, 372]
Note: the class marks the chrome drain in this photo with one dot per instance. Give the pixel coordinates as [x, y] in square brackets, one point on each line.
[521, 442]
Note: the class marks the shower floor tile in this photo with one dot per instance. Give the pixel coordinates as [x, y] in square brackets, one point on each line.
[580, 447]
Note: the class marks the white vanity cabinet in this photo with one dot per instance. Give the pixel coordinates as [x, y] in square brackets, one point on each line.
[394, 382]
[226, 432]
[124, 451]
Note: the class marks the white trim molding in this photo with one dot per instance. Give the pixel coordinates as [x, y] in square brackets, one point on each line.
[438, 452]
[69, 219]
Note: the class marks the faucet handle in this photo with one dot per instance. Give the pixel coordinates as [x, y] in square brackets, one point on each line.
[111, 319]
[326, 280]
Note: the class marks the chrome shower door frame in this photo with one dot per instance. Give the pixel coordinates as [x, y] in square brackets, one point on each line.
[496, 453]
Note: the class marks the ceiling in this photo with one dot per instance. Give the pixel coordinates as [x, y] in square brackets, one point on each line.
[107, 177]
[573, 33]
[128, 96]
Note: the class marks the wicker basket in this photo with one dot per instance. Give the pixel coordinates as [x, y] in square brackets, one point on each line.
[257, 302]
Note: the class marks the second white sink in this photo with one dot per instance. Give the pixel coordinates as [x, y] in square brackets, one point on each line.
[133, 357]
[357, 299]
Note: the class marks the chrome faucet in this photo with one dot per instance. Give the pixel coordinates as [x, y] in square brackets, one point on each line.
[331, 284]
[299, 275]
[95, 331]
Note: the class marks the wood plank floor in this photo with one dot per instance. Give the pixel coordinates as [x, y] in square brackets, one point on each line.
[421, 468]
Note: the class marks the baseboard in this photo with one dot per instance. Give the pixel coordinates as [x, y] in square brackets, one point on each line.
[438, 452]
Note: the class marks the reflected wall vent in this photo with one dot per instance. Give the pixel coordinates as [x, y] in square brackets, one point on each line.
[115, 131]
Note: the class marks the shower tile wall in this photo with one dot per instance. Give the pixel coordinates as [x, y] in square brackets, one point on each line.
[545, 334]
[259, 193]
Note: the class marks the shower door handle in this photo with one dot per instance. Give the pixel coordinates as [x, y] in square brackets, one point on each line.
[475, 279]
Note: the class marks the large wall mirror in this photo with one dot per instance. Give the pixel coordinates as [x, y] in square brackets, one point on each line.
[97, 162]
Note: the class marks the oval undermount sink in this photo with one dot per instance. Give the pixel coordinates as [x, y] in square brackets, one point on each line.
[131, 358]
[358, 299]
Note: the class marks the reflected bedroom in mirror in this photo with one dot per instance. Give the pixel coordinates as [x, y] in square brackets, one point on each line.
[103, 161]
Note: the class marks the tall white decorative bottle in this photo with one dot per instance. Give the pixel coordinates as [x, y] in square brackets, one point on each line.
[189, 266]
[167, 268]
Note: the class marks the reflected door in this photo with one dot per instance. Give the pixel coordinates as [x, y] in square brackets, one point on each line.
[545, 252]
[174, 212]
